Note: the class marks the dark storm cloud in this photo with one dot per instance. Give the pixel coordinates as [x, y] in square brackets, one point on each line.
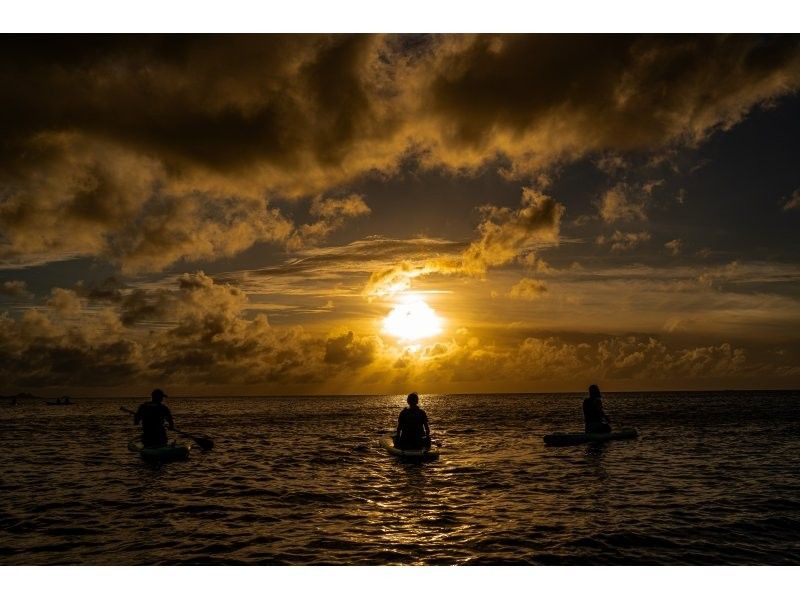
[222, 103]
[110, 290]
[535, 97]
[348, 350]
[146, 150]
[198, 335]
[37, 351]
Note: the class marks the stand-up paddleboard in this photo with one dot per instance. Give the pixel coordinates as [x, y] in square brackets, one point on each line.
[563, 439]
[162, 454]
[430, 454]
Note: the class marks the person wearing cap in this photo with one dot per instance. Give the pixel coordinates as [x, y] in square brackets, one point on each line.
[413, 432]
[595, 419]
[153, 415]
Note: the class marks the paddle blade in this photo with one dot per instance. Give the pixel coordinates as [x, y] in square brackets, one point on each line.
[204, 443]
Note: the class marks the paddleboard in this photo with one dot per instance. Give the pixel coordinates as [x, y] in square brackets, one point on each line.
[163, 454]
[564, 439]
[410, 455]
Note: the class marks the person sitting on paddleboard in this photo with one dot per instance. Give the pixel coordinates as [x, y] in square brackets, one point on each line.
[596, 420]
[413, 432]
[153, 415]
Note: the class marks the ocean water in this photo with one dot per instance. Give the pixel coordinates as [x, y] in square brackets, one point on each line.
[713, 479]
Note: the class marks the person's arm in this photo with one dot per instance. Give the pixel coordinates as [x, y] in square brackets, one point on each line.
[606, 419]
[138, 416]
[425, 426]
[168, 417]
[399, 423]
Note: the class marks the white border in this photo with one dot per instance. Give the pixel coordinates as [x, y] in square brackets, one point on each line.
[398, 16]
[340, 16]
[398, 582]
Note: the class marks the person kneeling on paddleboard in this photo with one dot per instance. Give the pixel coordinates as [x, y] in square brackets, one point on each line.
[596, 420]
[153, 415]
[413, 432]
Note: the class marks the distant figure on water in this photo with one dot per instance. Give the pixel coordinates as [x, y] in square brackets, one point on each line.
[153, 415]
[413, 432]
[596, 420]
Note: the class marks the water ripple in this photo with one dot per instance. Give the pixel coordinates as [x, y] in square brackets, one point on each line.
[301, 481]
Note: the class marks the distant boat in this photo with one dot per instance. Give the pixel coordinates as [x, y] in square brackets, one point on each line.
[62, 402]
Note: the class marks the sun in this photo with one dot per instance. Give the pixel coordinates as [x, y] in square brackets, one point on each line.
[412, 319]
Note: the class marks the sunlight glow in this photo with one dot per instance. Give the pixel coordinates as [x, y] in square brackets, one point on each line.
[412, 319]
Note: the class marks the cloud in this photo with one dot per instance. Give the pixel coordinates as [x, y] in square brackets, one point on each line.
[505, 94]
[196, 295]
[611, 163]
[502, 236]
[547, 360]
[793, 203]
[94, 198]
[616, 204]
[674, 246]
[534, 263]
[110, 290]
[15, 288]
[527, 289]
[347, 350]
[649, 186]
[331, 214]
[620, 241]
[65, 302]
[39, 352]
[636, 357]
[149, 150]
[198, 335]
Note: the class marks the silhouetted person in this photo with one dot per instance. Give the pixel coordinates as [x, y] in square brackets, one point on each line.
[596, 420]
[413, 432]
[153, 416]
[58, 401]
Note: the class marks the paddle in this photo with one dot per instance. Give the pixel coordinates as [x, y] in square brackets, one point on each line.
[202, 441]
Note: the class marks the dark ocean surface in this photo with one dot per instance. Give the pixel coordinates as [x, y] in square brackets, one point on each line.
[713, 479]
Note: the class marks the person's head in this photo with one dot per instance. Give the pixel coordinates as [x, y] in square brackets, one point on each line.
[594, 391]
[158, 395]
[413, 399]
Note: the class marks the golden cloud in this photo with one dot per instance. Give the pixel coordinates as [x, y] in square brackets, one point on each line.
[620, 241]
[503, 235]
[147, 150]
[527, 289]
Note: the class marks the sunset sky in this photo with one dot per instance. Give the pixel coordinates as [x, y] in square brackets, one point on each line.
[381, 214]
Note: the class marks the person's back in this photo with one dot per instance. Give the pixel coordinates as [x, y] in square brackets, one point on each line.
[595, 418]
[153, 415]
[412, 426]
